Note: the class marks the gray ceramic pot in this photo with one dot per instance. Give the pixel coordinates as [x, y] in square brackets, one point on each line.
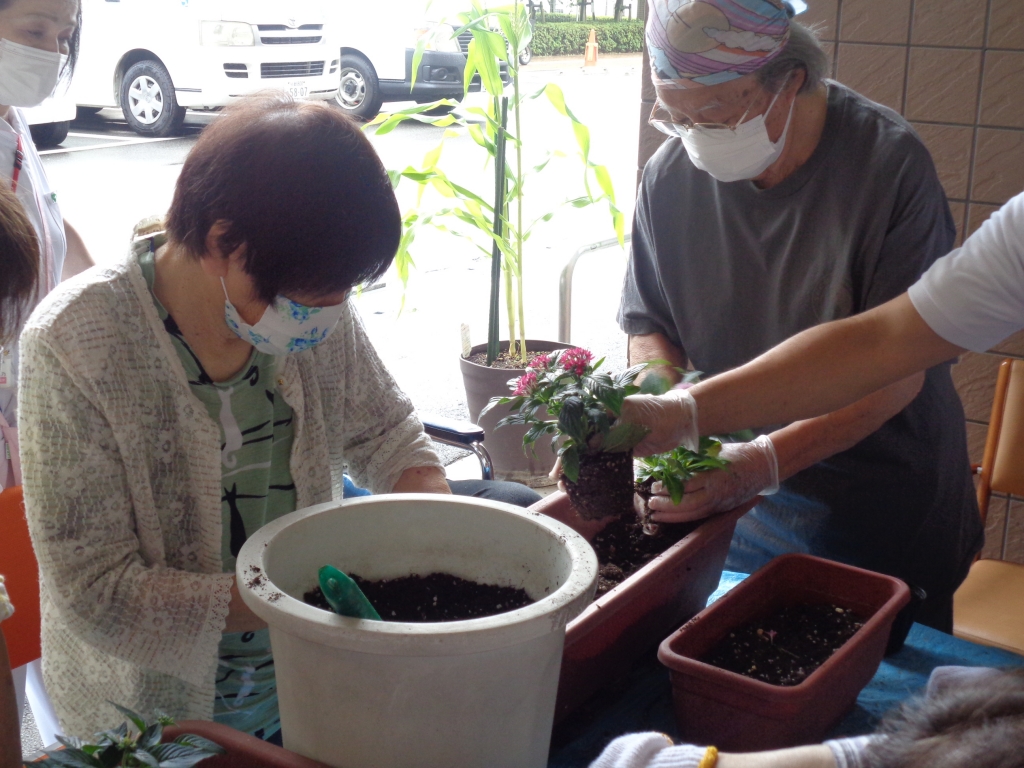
[505, 445]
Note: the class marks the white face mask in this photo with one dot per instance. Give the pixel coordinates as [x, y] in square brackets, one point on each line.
[286, 325]
[734, 154]
[27, 75]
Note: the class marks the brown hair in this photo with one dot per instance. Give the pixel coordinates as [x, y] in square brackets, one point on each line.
[978, 723]
[300, 186]
[19, 264]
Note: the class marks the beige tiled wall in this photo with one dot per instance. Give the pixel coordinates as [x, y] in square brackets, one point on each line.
[955, 70]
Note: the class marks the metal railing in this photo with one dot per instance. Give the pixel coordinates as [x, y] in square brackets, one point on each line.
[565, 285]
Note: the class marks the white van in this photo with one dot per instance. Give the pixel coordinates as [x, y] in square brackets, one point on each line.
[51, 120]
[156, 58]
[377, 47]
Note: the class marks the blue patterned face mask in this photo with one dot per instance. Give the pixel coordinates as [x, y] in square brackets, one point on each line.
[286, 325]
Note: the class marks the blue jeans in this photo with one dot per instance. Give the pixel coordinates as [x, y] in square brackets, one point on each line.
[494, 490]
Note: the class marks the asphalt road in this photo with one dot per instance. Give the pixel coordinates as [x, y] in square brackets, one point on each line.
[107, 178]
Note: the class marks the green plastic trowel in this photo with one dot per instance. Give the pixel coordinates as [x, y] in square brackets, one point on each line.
[344, 595]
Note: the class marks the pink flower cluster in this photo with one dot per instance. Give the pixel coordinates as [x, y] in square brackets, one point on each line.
[526, 384]
[540, 363]
[576, 360]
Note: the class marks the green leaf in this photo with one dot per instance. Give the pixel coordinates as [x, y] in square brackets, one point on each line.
[655, 384]
[151, 736]
[675, 487]
[623, 437]
[572, 420]
[571, 463]
[145, 758]
[191, 740]
[136, 719]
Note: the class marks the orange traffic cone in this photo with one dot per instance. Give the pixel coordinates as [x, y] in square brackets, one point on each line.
[591, 57]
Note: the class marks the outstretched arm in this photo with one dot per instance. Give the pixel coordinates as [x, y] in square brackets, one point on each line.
[821, 370]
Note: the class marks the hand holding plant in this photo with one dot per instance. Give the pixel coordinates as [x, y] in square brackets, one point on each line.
[718, 478]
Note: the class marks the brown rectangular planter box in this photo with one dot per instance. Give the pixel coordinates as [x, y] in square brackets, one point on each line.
[243, 750]
[604, 641]
[740, 714]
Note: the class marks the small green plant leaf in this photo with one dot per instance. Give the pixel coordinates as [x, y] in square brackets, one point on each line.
[143, 757]
[572, 419]
[571, 463]
[134, 717]
[623, 437]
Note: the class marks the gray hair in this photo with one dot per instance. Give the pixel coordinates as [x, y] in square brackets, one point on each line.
[802, 51]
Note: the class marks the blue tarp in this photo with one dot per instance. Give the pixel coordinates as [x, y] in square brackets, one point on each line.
[645, 702]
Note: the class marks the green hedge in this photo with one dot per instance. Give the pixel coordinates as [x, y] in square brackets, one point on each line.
[568, 39]
[562, 18]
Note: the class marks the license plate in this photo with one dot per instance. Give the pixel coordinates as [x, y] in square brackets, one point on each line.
[298, 89]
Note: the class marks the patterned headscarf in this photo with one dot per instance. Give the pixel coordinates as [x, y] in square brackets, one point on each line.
[693, 43]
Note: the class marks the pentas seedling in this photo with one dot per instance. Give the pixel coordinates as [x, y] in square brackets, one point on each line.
[125, 747]
[675, 468]
[564, 395]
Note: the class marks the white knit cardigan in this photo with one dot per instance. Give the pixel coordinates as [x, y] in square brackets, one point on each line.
[122, 479]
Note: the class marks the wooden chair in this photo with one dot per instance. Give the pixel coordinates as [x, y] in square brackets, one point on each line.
[22, 631]
[989, 606]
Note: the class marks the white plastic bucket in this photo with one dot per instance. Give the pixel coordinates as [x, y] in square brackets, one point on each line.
[369, 694]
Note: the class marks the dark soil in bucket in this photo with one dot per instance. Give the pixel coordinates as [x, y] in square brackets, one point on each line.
[435, 598]
[787, 646]
[604, 487]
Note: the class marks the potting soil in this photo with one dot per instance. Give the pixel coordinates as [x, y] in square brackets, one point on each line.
[604, 486]
[505, 360]
[784, 648]
[623, 548]
[438, 597]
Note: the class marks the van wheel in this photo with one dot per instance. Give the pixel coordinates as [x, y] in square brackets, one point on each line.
[147, 100]
[359, 93]
[50, 134]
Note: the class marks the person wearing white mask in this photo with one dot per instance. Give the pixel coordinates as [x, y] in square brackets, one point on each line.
[784, 200]
[211, 381]
[38, 49]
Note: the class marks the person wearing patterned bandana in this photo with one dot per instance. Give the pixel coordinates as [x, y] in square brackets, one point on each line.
[783, 200]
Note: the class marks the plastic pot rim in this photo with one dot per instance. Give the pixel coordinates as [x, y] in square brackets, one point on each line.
[277, 607]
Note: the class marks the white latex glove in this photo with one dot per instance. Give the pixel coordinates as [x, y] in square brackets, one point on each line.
[753, 471]
[672, 419]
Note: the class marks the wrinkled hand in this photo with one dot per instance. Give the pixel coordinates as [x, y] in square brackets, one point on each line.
[753, 471]
[672, 419]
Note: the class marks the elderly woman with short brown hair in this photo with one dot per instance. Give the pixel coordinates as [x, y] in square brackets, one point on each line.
[213, 380]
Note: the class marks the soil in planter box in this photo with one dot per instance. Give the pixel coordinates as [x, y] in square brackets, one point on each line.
[787, 646]
[623, 548]
[434, 598]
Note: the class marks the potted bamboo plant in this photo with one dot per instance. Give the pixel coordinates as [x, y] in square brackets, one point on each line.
[493, 217]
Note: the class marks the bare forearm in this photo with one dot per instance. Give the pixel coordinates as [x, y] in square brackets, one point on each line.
[655, 346]
[822, 370]
[78, 258]
[422, 480]
[817, 756]
[805, 443]
[10, 725]
[240, 617]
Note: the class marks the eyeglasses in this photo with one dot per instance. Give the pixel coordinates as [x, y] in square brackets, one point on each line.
[678, 128]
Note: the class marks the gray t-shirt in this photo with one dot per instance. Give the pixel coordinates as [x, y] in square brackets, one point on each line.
[726, 271]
